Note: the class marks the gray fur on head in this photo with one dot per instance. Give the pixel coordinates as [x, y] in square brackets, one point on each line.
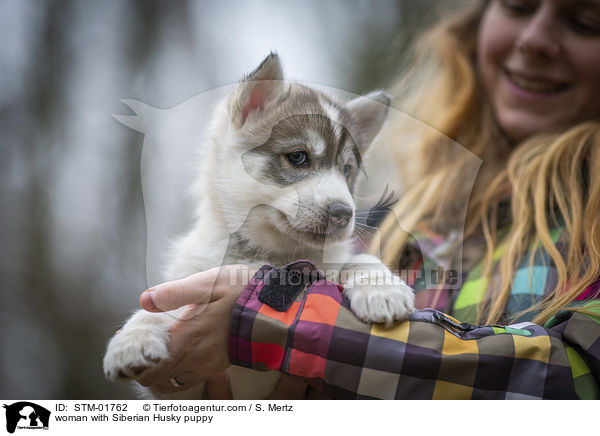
[367, 113]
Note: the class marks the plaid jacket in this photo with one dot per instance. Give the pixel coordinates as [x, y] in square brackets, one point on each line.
[430, 356]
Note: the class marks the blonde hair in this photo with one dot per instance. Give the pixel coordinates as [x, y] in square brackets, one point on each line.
[547, 177]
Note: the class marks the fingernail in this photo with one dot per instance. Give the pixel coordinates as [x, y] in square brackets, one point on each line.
[147, 301]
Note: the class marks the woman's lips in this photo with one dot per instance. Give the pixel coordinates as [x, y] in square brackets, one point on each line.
[530, 86]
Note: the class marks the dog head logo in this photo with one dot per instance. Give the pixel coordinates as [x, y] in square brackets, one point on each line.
[26, 415]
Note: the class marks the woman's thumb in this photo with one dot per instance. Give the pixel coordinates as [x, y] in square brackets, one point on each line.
[194, 289]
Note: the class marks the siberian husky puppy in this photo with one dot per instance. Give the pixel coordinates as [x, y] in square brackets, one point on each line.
[276, 182]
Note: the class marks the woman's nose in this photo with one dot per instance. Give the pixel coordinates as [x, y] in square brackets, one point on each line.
[540, 35]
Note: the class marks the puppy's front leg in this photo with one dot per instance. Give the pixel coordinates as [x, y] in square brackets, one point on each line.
[140, 345]
[375, 293]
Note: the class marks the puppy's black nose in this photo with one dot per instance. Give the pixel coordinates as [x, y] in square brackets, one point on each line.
[340, 213]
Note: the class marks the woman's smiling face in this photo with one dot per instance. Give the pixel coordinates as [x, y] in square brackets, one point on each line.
[539, 63]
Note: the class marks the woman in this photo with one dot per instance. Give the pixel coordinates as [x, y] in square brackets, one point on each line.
[516, 83]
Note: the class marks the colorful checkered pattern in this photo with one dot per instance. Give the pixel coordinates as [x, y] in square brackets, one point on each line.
[535, 278]
[430, 356]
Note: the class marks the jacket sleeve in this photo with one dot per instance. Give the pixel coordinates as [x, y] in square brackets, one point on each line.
[316, 337]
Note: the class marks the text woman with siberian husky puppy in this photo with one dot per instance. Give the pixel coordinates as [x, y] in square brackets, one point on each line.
[515, 82]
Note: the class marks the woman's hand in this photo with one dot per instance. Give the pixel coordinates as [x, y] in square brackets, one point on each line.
[199, 339]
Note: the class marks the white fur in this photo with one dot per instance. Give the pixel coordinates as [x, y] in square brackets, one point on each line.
[333, 114]
[315, 142]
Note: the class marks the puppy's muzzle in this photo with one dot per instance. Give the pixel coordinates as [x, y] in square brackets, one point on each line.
[340, 214]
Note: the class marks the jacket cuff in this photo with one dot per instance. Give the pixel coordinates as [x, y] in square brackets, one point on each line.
[264, 317]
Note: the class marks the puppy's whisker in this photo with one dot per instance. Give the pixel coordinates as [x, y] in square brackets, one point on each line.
[361, 240]
[366, 230]
[363, 232]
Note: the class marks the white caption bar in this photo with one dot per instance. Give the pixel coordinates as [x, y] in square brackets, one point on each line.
[24, 417]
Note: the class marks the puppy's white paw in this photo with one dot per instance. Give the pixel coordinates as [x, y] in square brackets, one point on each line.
[381, 303]
[132, 351]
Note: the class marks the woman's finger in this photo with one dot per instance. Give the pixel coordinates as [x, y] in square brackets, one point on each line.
[187, 379]
[183, 382]
[154, 376]
[194, 289]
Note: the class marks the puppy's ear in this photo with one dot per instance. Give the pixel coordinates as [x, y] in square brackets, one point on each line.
[367, 115]
[258, 91]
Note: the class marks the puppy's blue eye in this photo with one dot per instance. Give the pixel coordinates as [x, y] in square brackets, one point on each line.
[297, 158]
[347, 170]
